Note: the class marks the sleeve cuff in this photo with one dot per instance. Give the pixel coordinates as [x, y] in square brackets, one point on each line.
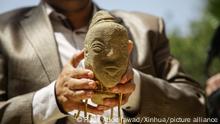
[133, 102]
[45, 107]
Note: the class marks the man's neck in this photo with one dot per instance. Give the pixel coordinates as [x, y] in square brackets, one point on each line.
[81, 18]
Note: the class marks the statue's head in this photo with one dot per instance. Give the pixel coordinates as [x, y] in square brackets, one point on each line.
[106, 49]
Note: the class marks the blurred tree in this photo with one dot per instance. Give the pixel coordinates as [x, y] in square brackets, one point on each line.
[214, 8]
[192, 49]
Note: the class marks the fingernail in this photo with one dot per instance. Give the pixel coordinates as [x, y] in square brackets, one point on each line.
[115, 89]
[90, 74]
[124, 80]
[92, 84]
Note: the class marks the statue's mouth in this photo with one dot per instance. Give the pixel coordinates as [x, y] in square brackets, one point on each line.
[109, 76]
[112, 70]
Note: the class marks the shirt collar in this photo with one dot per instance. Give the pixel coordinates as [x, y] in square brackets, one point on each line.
[50, 10]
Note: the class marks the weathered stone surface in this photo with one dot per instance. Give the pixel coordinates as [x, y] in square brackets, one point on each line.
[106, 51]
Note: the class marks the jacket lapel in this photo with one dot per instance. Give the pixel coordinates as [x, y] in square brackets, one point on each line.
[38, 29]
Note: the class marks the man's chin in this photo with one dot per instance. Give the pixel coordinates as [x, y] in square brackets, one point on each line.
[72, 6]
[70, 10]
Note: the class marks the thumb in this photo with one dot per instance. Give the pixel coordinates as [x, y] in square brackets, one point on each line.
[130, 46]
[77, 58]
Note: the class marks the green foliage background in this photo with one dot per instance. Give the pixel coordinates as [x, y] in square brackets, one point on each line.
[191, 50]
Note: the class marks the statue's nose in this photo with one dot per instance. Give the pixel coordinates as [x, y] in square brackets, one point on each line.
[110, 53]
[113, 54]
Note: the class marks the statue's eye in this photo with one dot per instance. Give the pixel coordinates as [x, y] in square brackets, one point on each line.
[97, 47]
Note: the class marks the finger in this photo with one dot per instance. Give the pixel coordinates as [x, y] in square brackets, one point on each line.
[123, 88]
[78, 95]
[130, 46]
[79, 84]
[77, 58]
[112, 102]
[81, 106]
[82, 73]
[102, 107]
[127, 76]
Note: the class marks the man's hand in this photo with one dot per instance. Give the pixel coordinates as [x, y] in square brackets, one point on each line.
[125, 86]
[213, 84]
[74, 85]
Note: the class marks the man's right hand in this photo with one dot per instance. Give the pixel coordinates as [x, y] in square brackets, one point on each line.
[74, 85]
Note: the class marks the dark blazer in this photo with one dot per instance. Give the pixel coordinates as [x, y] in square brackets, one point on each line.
[29, 60]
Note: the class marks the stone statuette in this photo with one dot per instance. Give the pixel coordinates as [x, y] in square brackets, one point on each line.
[106, 53]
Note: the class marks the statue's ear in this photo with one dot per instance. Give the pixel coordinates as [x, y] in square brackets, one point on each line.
[130, 46]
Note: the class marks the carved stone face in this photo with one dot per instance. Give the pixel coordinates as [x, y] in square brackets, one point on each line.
[106, 52]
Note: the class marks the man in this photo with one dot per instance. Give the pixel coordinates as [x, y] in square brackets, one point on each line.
[37, 42]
